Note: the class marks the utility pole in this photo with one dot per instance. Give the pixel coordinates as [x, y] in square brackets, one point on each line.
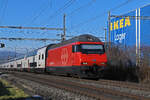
[64, 28]
[15, 52]
[139, 19]
[105, 34]
[109, 29]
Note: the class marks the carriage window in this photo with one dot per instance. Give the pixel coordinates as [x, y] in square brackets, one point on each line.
[42, 56]
[11, 65]
[76, 48]
[39, 57]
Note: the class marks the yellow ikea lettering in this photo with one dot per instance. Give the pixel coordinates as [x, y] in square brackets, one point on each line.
[127, 22]
[121, 23]
[116, 25]
[111, 24]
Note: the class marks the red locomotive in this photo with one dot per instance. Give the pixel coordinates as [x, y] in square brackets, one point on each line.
[82, 56]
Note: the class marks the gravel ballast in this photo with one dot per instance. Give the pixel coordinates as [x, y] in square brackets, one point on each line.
[47, 92]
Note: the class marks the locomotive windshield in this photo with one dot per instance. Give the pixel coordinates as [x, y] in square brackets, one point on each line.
[89, 48]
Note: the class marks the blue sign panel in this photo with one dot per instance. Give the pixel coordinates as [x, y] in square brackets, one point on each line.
[123, 29]
[133, 30]
[132, 27]
[144, 27]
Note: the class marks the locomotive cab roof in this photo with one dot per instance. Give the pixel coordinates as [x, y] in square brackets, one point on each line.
[83, 38]
[80, 38]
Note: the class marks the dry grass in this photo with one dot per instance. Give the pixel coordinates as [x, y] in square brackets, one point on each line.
[122, 64]
[9, 92]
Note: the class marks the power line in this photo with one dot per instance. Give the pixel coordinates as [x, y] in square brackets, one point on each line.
[4, 9]
[87, 21]
[40, 28]
[30, 39]
[83, 6]
[39, 14]
[68, 4]
[122, 4]
[101, 15]
[132, 17]
[1, 5]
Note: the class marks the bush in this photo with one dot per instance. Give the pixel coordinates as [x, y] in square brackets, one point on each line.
[121, 64]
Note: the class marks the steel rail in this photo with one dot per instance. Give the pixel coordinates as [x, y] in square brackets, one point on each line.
[81, 87]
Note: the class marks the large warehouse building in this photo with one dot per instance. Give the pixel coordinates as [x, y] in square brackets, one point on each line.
[132, 30]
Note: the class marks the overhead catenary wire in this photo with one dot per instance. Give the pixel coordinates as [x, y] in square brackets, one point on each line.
[100, 15]
[36, 15]
[132, 17]
[40, 28]
[87, 21]
[1, 5]
[3, 11]
[120, 5]
[81, 7]
[30, 39]
[65, 6]
[42, 10]
[82, 23]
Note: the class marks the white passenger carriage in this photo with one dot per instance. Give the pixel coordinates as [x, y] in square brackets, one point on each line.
[40, 58]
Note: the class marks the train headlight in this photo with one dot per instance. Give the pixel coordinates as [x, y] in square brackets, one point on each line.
[84, 63]
[103, 63]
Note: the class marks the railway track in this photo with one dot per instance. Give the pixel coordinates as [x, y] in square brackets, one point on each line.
[125, 85]
[129, 85]
[71, 87]
[83, 89]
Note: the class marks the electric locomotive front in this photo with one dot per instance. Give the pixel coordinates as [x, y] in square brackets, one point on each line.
[83, 56]
[91, 58]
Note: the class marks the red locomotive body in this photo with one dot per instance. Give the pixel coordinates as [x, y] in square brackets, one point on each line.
[83, 56]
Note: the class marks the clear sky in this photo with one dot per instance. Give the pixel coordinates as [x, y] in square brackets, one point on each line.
[82, 16]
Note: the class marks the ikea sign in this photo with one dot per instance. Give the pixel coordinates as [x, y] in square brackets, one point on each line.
[121, 23]
[130, 29]
[122, 29]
